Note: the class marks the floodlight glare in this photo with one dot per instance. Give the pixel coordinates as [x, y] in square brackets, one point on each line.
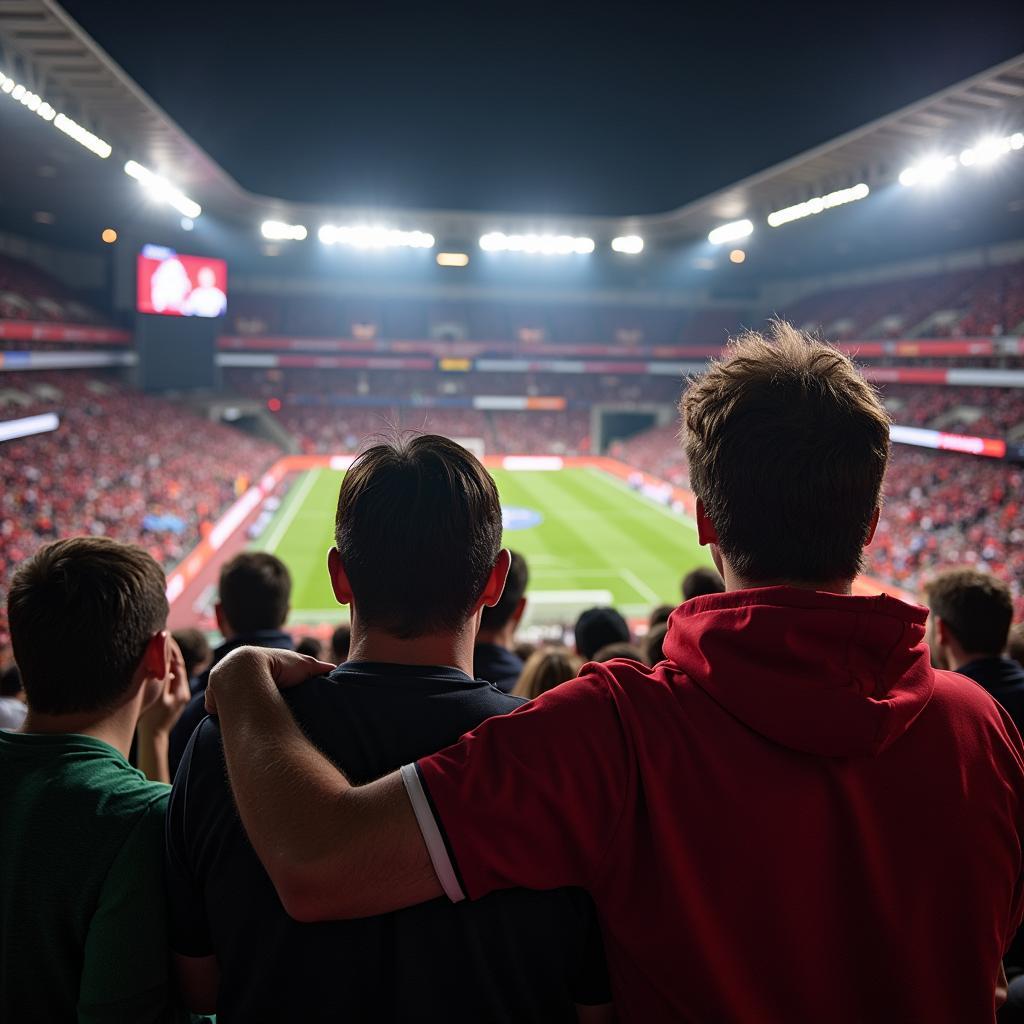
[534, 244]
[730, 232]
[376, 236]
[452, 259]
[278, 231]
[987, 150]
[35, 103]
[819, 203]
[929, 171]
[631, 245]
[160, 188]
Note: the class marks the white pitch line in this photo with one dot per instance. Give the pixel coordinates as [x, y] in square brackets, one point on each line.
[638, 585]
[620, 485]
[292, 511]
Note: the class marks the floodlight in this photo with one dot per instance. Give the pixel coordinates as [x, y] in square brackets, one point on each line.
[818, 204]
[160, 188]
[452, 259]
[278, 231]
[730, 232]
[630, 245]
[534, 244]
[929, 171]
[375, 236]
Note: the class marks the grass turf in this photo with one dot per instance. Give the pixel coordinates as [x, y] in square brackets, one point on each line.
[597, 542]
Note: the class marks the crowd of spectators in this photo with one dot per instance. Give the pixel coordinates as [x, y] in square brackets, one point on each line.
[28, 293]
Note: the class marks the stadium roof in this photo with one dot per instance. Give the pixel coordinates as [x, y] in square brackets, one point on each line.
[48, 51]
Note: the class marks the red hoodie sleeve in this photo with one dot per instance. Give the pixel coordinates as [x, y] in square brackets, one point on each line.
[530, 799]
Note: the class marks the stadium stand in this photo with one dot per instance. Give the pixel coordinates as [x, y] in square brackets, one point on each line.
[28, 293]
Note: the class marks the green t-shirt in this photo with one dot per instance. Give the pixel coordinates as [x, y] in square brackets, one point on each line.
[82, 916]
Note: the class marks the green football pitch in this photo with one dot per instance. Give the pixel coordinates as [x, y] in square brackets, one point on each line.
[588, 539]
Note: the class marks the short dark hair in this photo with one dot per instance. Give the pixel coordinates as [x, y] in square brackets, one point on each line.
[418, 530]
[787, 446]
[95, 597]
[598, 627]
[700, 581]
[10, 682]
[255, 590]
[341, 640]
[195, 648]
[660, 614]
[309, 645]
[623, 649]
[515, 588]
[976, 608]
[1015, 643]
[654, 643]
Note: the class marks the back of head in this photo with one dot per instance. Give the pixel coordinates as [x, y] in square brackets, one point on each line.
[10, 681]
[255, 590]
[654, 644]
[309, 645]
[623, 649]
[787, 446]
[976, 608]
[418, 530]
[341, 640]
[659, 615]
[498, 616]
[195, 649]
[598, 627]
[94, 599]
[545, 669]
[1015, 643]
[701, 581]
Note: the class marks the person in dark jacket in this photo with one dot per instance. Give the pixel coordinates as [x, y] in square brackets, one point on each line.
[494, 656]
[254, 595]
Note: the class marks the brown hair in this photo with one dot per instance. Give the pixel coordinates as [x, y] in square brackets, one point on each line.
[976, 607]
[545, 669]
[418, 530]
[94, 600]
[787, 445]
[255, 590]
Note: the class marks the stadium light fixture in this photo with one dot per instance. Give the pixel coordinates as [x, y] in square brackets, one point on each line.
[631, 245]
[737, 256]
[989, 149]
[818, 204]
[452, 259]
[109, 235]
[278, 231]
[361, 236]
[38, 106]
[731, 232]
[537, 245]
[162, 189]
[929, 171]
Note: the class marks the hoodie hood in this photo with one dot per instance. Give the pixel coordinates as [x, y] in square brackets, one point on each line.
[820, 673]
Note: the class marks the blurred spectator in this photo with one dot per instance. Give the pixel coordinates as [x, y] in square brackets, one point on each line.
[547, 667]
[310, 646]
[701, 581]
[968, 629]
[493, 656]
[341, 640]
[660, 615]
[195, 649]
[1015, 644]
[654, 643]
[418, 548]
[82, 902]
[12, 698]
[523, 649]
[598, 627]
[254, 594]
[622, 649]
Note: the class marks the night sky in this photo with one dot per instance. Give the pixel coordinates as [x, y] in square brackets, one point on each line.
[594, 108]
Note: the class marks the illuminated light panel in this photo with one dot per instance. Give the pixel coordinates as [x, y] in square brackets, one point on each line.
[737, 256]
[35, 103]
[989, 149]
[929, 171]
[162, 189]
[109, 236]
[278, 231]
[452, 259]
[630, 245]
[731, 232]
[537, 245]
[376, 236]
[818, 205]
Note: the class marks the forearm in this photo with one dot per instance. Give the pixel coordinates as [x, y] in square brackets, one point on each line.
[152, 754]
[331, 849]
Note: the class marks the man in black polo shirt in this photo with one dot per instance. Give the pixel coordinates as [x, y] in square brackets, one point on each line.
[418, 557]
[254, 593]
[493, 657]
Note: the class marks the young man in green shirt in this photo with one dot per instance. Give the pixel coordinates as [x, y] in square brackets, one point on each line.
[82, 928]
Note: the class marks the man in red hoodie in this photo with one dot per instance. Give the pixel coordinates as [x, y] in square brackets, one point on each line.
[794, 818]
